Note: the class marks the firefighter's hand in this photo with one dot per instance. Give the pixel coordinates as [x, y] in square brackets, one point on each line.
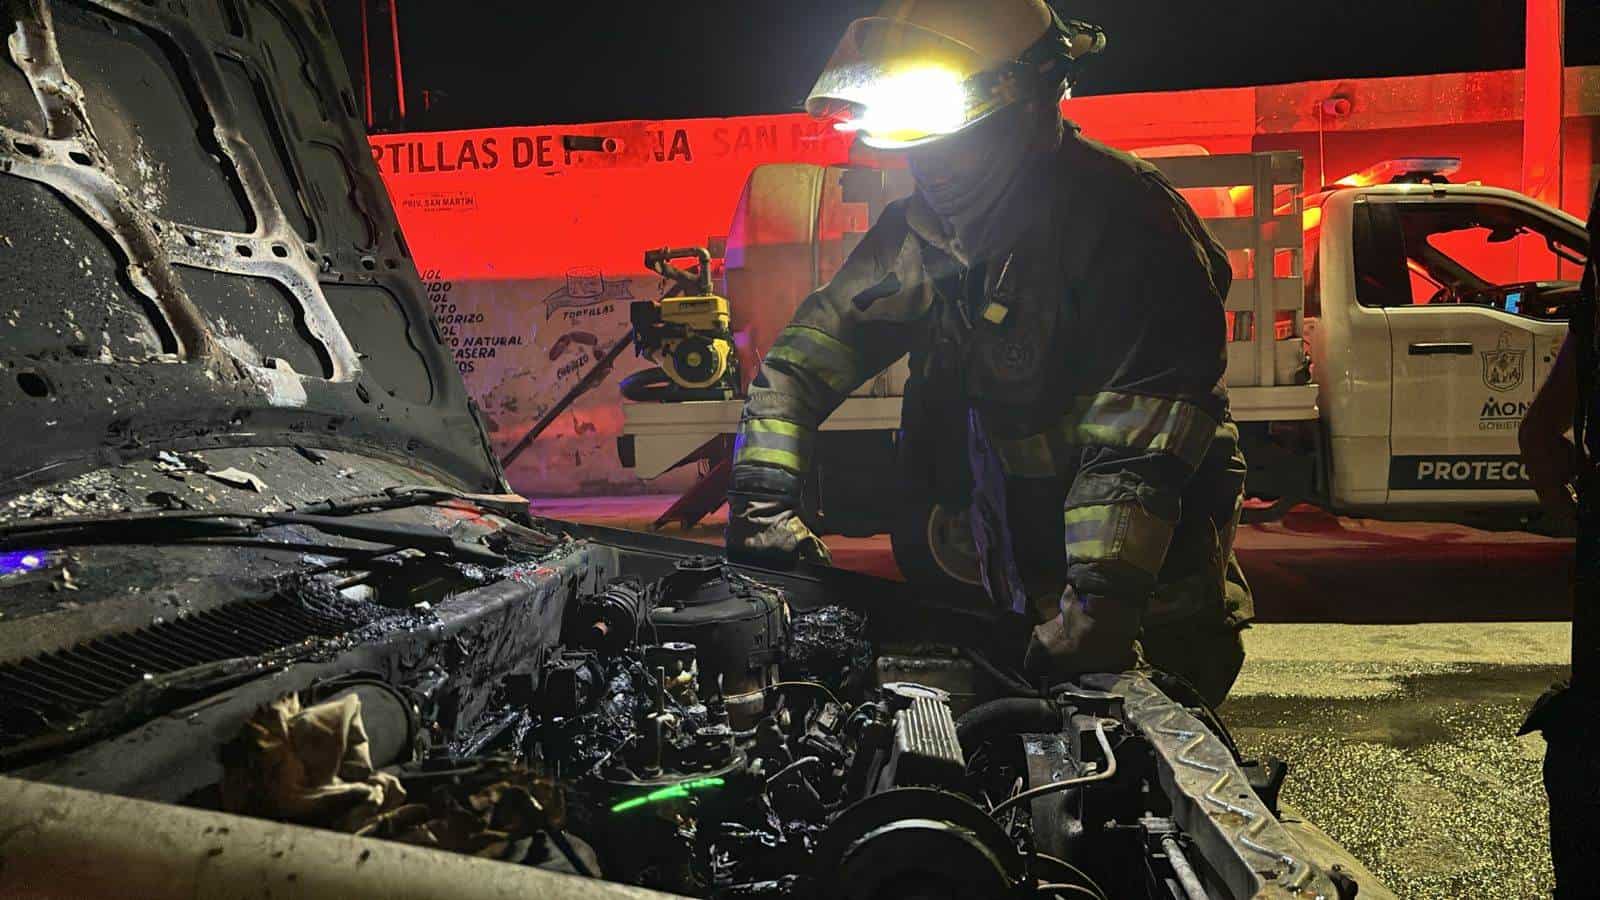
[1091, 634]
[764, 526]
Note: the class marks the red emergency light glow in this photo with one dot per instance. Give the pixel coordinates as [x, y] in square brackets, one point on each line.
[1418, 169]
[530, 244]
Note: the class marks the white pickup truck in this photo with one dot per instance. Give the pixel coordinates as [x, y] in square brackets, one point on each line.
[1410, 320]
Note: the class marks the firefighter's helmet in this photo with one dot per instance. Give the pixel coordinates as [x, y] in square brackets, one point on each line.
[921, 70]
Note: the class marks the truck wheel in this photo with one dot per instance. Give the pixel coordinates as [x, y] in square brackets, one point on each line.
[933, 545]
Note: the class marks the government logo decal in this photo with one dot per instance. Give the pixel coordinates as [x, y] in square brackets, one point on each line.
[1503, 367]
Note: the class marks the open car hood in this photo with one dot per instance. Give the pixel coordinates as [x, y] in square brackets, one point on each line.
[209, 310]
[196, 250]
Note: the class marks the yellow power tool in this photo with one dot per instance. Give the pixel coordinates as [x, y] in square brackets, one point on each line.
[687, 331]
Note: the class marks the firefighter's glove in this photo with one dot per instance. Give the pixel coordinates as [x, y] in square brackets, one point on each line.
[764, 526]
[1090, 634]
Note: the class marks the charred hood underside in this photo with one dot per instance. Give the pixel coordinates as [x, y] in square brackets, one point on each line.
[197, 251]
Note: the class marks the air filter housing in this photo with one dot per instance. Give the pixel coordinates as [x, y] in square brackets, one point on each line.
[738, 626]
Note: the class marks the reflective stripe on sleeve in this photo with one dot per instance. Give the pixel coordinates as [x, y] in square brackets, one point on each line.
[1117, 532]
[773, 442]
[1138, 422]
[1111, 419]
[818, 353]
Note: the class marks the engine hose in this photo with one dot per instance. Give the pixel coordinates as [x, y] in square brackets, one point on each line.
[802, 761]
[1009, 682]
[1056, 786]
[1010, 715]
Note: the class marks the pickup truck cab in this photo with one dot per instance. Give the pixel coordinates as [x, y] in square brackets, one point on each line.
[1411, 321]
[1439, 309]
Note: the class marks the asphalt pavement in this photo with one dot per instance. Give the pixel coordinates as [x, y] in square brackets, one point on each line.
[1391, 665]
[1402, 745]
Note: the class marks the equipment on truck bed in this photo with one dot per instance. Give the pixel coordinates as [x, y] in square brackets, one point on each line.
[691, 332]
[687, 331]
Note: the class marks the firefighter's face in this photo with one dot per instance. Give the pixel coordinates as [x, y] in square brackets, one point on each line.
[962, 159]
[966, 174]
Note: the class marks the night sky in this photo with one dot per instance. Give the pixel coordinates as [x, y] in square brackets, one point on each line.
[515, 62]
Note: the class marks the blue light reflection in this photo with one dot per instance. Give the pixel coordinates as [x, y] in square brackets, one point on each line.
[21, 562]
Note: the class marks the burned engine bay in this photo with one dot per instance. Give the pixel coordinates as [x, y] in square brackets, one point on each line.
[671, 722]
[271, 625]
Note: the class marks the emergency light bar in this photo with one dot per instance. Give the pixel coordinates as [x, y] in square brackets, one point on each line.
[1406, 170]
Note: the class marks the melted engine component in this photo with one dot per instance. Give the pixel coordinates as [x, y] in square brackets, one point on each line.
[828, 645]
[738, 625]
[689, 764]
[611, 619]
[761, 788]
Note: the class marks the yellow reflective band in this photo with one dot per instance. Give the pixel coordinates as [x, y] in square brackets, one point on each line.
[1117, 532]
[1138, 422]
[775, 426]
[1112, 419]
[783, 459]
[773, 442]
[819, 354]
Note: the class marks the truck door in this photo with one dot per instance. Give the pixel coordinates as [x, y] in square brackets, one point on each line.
[1467, 340]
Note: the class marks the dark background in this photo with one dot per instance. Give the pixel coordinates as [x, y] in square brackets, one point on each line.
[480, 63]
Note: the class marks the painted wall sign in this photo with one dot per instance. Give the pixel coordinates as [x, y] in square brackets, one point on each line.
[531, 254]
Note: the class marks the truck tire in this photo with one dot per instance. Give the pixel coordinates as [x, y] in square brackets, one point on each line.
[933, 546]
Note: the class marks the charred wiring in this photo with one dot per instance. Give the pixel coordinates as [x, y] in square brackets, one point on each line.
[693, 733]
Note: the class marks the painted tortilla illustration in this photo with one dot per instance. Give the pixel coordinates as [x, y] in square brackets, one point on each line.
[586, 286]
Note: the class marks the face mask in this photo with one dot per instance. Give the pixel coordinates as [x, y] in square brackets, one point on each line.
[985, 182]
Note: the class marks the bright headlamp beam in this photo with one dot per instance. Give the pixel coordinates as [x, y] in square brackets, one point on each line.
[910, 105]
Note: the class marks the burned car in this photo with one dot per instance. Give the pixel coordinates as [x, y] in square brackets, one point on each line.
[273, 623]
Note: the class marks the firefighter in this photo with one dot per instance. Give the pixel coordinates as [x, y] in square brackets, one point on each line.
[1068, 303]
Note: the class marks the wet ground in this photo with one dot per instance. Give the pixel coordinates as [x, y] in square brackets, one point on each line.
[1401, 734]
[1403, 747]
